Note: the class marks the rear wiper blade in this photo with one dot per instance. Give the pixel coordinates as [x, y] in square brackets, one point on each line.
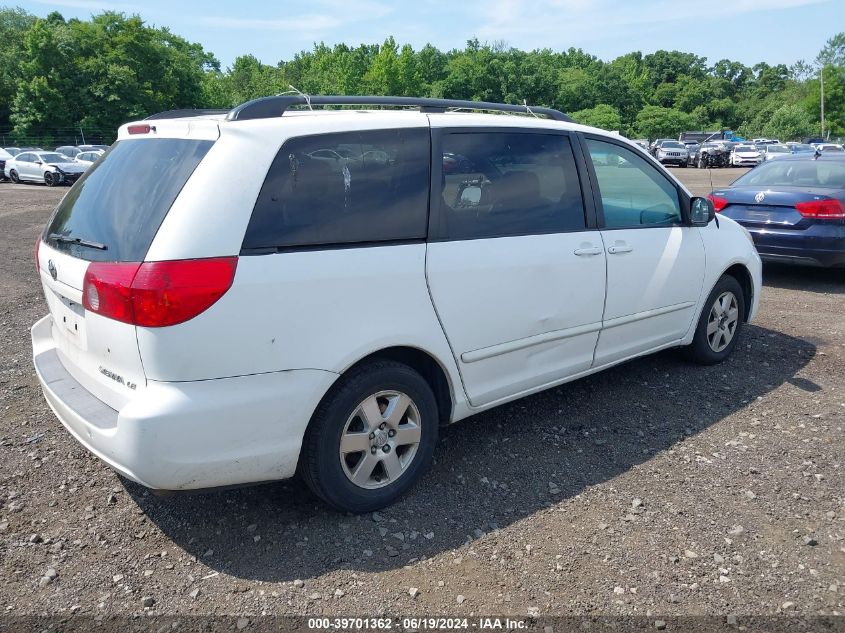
[77, 240]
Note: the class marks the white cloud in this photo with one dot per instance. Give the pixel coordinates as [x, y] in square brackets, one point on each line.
[93, 5]
[580, 22]
[311, 23]
[335, 13]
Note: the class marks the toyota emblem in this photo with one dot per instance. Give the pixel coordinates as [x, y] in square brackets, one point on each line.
[52, 268]
[760, 197]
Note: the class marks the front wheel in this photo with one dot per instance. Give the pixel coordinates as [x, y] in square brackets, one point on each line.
[371, 438]
[50, 179]
[719, 324]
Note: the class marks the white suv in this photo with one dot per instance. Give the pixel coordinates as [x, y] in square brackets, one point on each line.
[359, 279]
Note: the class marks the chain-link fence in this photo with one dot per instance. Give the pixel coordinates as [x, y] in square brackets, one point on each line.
[52, 138]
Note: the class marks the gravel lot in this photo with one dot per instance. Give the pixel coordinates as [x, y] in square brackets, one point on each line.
[655, 488]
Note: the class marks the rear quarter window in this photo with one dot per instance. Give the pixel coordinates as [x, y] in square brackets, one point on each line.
[344, 188]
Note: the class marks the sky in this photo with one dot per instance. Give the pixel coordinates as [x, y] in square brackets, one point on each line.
[749, 31]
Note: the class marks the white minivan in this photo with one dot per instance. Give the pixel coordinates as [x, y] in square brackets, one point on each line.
[358, 278]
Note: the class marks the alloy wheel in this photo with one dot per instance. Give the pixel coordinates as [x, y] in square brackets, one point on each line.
[380, 439]
[722, 321]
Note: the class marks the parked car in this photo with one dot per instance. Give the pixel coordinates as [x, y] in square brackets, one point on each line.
[745, 156]
[657, 143]
[794, 208]
[830, 147]
[801, 149]
[68, 150]
[770, 152]
[88, 148]
[4, 156]
[88, 158]
[692, 152]
[712, 154]
[642, 142]
[672, 153]
[51, 168]
[330, 316]
[14, 151]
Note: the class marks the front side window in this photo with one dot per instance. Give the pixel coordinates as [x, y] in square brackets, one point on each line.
[344, 188]
[496, 184]
[633, 191]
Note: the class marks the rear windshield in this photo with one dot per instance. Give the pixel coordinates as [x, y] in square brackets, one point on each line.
[122, 200]
[796, 173]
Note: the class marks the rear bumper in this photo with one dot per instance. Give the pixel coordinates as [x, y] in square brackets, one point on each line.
[819, 245]
[188, 435]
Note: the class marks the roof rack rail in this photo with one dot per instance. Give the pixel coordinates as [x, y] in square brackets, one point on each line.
[180, 114]
[268, 107]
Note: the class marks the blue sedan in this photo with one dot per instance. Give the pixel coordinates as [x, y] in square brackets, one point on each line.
[794, 208]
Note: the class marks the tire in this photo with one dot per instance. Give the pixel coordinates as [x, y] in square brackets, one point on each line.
[720, 323]
[13, 176]
[50, 179]
[360, 480]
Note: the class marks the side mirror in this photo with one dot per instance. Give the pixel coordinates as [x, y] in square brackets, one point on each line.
[701, 211]
[471, 196]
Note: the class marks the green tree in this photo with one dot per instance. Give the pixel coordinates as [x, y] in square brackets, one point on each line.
[14, 24]
[834, 100]
[383, 76]
[833, 52]
[656, 122]
[790, 122]
[602, 116]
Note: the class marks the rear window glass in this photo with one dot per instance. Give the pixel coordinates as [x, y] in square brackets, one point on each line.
[349, 187]
[796, 173]
[122, 200]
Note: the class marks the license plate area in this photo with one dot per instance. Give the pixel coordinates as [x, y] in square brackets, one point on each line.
[69, 319]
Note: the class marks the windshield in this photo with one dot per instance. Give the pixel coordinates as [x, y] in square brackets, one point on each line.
[796, 173]
[52, 157]
[123, 198]
[803, 147]
[778, 149]
[674, 145]
[745, 148]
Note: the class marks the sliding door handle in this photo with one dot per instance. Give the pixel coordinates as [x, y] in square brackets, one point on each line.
[587, 251]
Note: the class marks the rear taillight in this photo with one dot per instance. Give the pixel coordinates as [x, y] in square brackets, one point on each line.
[156, 294]
[828, 209]
[719, 203]
[37, 246]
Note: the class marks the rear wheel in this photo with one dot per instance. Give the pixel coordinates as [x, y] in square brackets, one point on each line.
[371, 438]
[13, 175]
[719, 324]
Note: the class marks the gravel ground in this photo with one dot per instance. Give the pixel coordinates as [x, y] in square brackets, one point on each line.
[654, 488]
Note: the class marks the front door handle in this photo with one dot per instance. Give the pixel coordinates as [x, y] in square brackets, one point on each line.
[619, 247]
[587, 251]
